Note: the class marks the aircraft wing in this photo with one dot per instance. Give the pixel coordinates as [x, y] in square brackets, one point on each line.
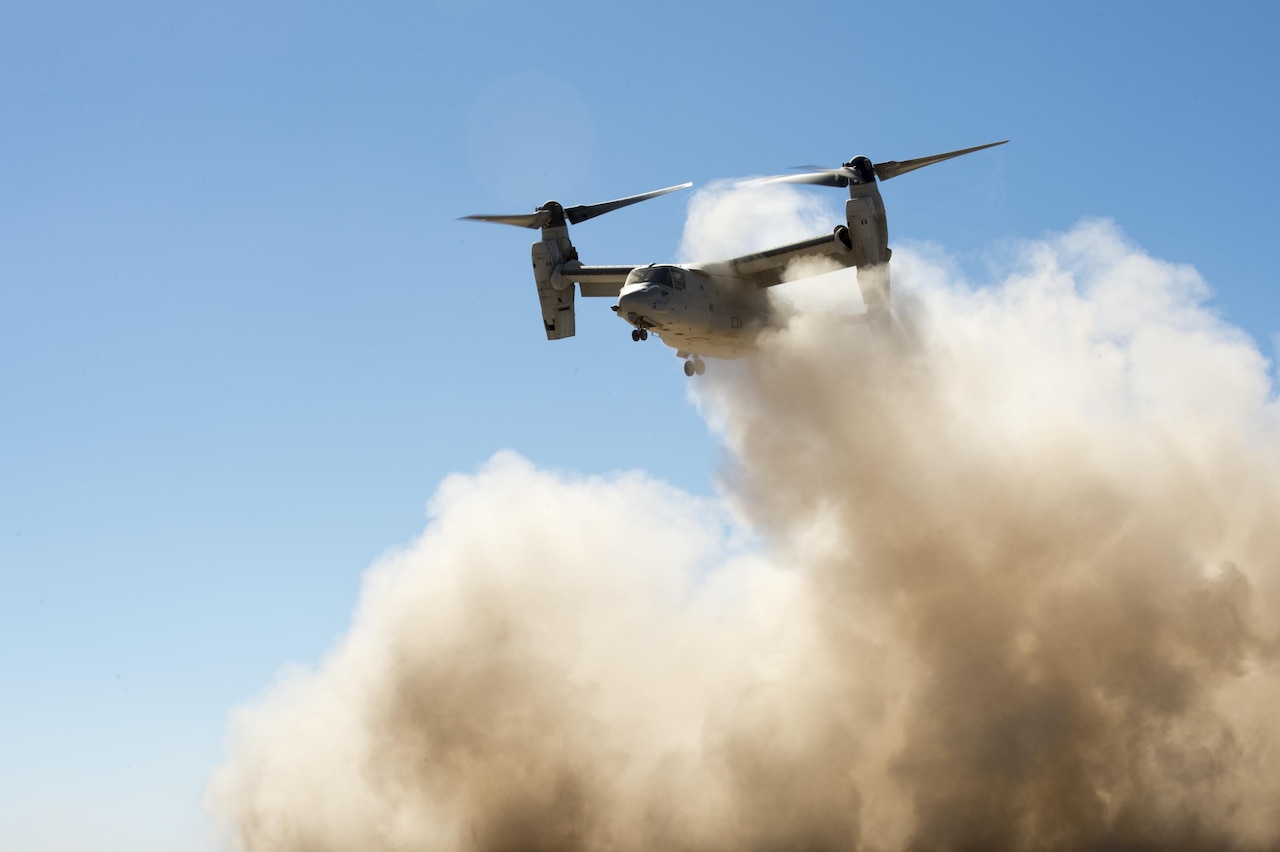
[596, 280]
[769, 267]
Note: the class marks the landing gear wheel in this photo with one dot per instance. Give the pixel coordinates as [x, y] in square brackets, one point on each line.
[699, 367]
[635, 334]
[644, 334]
[689, 368]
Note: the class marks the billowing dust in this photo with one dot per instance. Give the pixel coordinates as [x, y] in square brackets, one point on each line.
[1006, 578]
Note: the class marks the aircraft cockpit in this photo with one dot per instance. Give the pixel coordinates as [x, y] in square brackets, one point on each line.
[666, 277]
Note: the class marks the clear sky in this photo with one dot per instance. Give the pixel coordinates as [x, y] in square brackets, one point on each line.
[243, 336]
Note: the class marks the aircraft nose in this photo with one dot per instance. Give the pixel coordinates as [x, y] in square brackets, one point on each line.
[643, 301]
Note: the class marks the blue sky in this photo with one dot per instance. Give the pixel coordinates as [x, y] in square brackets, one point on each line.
[243, 336]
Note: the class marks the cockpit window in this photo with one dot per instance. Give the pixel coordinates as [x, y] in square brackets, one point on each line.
[677, 278]
[660, 275]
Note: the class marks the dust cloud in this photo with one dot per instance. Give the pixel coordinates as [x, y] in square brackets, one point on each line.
[1006, 578]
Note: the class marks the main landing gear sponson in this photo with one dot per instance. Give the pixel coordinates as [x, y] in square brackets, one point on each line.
[694, 365]
[639, 334]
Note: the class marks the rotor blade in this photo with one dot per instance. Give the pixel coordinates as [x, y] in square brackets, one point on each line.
[521, 220]
[583, 212]
[826, 177]
[893, 168]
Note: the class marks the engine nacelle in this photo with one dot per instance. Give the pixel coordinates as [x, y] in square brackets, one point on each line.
[546, 259]
[864, 212]
[555, 294]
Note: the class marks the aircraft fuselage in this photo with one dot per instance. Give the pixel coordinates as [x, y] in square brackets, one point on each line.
[693, 311]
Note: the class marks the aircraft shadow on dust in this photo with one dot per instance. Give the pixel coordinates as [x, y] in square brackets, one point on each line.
[716, 308]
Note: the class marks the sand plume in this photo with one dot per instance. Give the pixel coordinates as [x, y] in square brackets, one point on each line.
[1006, 579]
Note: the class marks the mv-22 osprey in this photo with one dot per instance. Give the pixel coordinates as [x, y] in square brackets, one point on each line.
[716, 308]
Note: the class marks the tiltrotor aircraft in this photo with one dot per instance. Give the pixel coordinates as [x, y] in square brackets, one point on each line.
[716, 308]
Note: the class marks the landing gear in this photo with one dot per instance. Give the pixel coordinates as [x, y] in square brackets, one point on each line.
[638, 334]
[694, 365]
